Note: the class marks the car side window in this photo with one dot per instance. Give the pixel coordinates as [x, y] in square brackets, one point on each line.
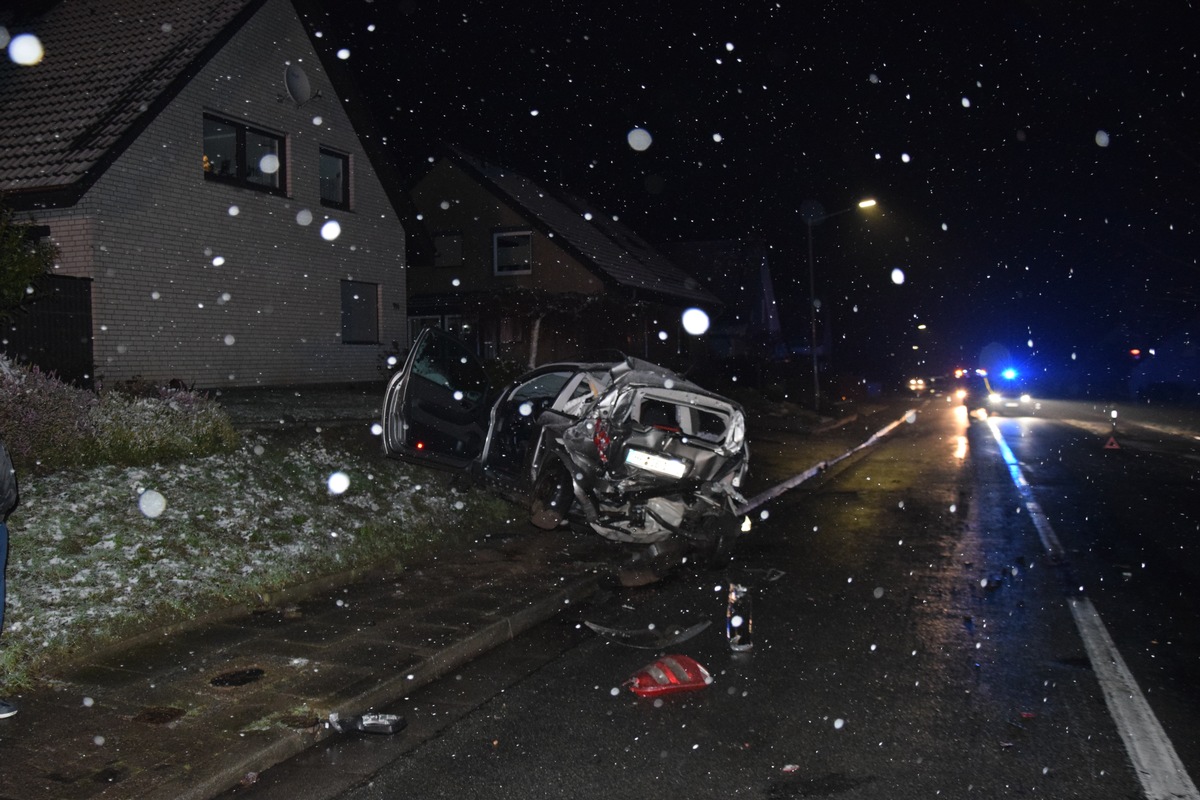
[447, 364]
[545, 386]
[427, 368]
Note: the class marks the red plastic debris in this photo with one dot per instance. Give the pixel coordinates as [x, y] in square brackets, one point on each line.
[668, 675]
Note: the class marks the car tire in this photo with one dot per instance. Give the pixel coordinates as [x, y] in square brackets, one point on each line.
[552, 497]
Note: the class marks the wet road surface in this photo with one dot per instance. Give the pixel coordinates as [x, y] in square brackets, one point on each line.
[912, 638]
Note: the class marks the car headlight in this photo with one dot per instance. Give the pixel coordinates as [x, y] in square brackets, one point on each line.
[1025, 398]
[994, 398]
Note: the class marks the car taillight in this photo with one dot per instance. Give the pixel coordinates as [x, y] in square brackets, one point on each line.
[601, 439]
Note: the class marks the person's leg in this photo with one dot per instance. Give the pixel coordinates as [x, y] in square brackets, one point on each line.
[3, 565]
[6, 709]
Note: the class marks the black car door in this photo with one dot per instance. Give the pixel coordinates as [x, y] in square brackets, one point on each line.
[435, 411]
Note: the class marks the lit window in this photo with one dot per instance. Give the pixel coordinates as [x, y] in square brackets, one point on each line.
[238, 154]
[335, 179]
[512, 252]
[360, 312]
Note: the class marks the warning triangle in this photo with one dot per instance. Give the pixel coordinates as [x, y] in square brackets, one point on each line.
[1111, 444]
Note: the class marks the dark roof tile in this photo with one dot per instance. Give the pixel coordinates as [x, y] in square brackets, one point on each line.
[105, 65]
[619, 253]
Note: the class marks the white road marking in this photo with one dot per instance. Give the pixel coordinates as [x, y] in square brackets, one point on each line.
[1162, 774]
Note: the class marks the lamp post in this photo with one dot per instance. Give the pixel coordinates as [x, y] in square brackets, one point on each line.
[812, 212]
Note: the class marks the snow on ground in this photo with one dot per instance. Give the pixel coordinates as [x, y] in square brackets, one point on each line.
[95, 551]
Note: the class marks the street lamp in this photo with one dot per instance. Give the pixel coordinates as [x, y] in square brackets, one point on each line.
[813, 212]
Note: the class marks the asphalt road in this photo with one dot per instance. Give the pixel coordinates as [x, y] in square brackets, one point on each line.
[923, 627]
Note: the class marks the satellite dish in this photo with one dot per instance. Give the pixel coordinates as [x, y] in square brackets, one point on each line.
[298, 87]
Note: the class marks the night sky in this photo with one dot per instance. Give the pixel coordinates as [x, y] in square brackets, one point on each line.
[1035, 163]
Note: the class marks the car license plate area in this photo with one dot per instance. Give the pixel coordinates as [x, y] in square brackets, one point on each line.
[659, 465]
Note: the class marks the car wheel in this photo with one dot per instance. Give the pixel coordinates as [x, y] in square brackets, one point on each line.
[552, 497]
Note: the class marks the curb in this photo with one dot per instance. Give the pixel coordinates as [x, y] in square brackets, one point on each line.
[834, 424]
[286, 594]
[820, 466]
[289, 744]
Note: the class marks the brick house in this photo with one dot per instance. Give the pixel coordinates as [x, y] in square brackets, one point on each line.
[531, 274]
[204, 182]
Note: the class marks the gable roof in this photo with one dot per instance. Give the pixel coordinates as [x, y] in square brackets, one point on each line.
[108, 68]
[614, 252]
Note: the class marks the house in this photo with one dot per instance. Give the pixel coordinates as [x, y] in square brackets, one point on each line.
[219, 217]
[530, 274]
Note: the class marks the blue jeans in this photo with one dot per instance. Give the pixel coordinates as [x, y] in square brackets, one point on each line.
[3, 564]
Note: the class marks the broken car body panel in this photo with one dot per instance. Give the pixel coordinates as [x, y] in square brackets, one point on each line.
[626, 448]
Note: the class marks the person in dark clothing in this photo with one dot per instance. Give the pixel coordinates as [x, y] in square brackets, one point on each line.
[9, 497]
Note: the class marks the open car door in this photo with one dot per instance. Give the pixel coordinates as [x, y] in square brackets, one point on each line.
[436, 409]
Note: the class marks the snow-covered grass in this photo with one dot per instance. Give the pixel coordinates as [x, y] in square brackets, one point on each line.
[100, 553]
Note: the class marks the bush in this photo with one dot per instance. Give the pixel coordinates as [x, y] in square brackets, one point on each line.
[139, 430]
[48, 425]
[44, 422]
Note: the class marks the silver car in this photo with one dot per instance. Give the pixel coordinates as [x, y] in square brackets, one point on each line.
[627, 449]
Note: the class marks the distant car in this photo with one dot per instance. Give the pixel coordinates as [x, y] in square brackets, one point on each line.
[626, 449]
[979, 391]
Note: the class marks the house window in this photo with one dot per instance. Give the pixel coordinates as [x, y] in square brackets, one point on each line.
[360, 312]
[242, 155]
[461, 326]
[335, 179]
[512, 252]
[447, 250]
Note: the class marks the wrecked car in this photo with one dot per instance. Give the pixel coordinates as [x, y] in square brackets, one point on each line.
[625, 449]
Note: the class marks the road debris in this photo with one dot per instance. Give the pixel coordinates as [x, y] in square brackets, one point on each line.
[668, 675]
[651, 637]
[368, 723]
[739, 625]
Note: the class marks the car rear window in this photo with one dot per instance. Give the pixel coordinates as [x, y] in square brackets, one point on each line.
[659, 414]
[709, 427]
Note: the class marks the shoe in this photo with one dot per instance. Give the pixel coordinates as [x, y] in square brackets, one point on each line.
[7, 709]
